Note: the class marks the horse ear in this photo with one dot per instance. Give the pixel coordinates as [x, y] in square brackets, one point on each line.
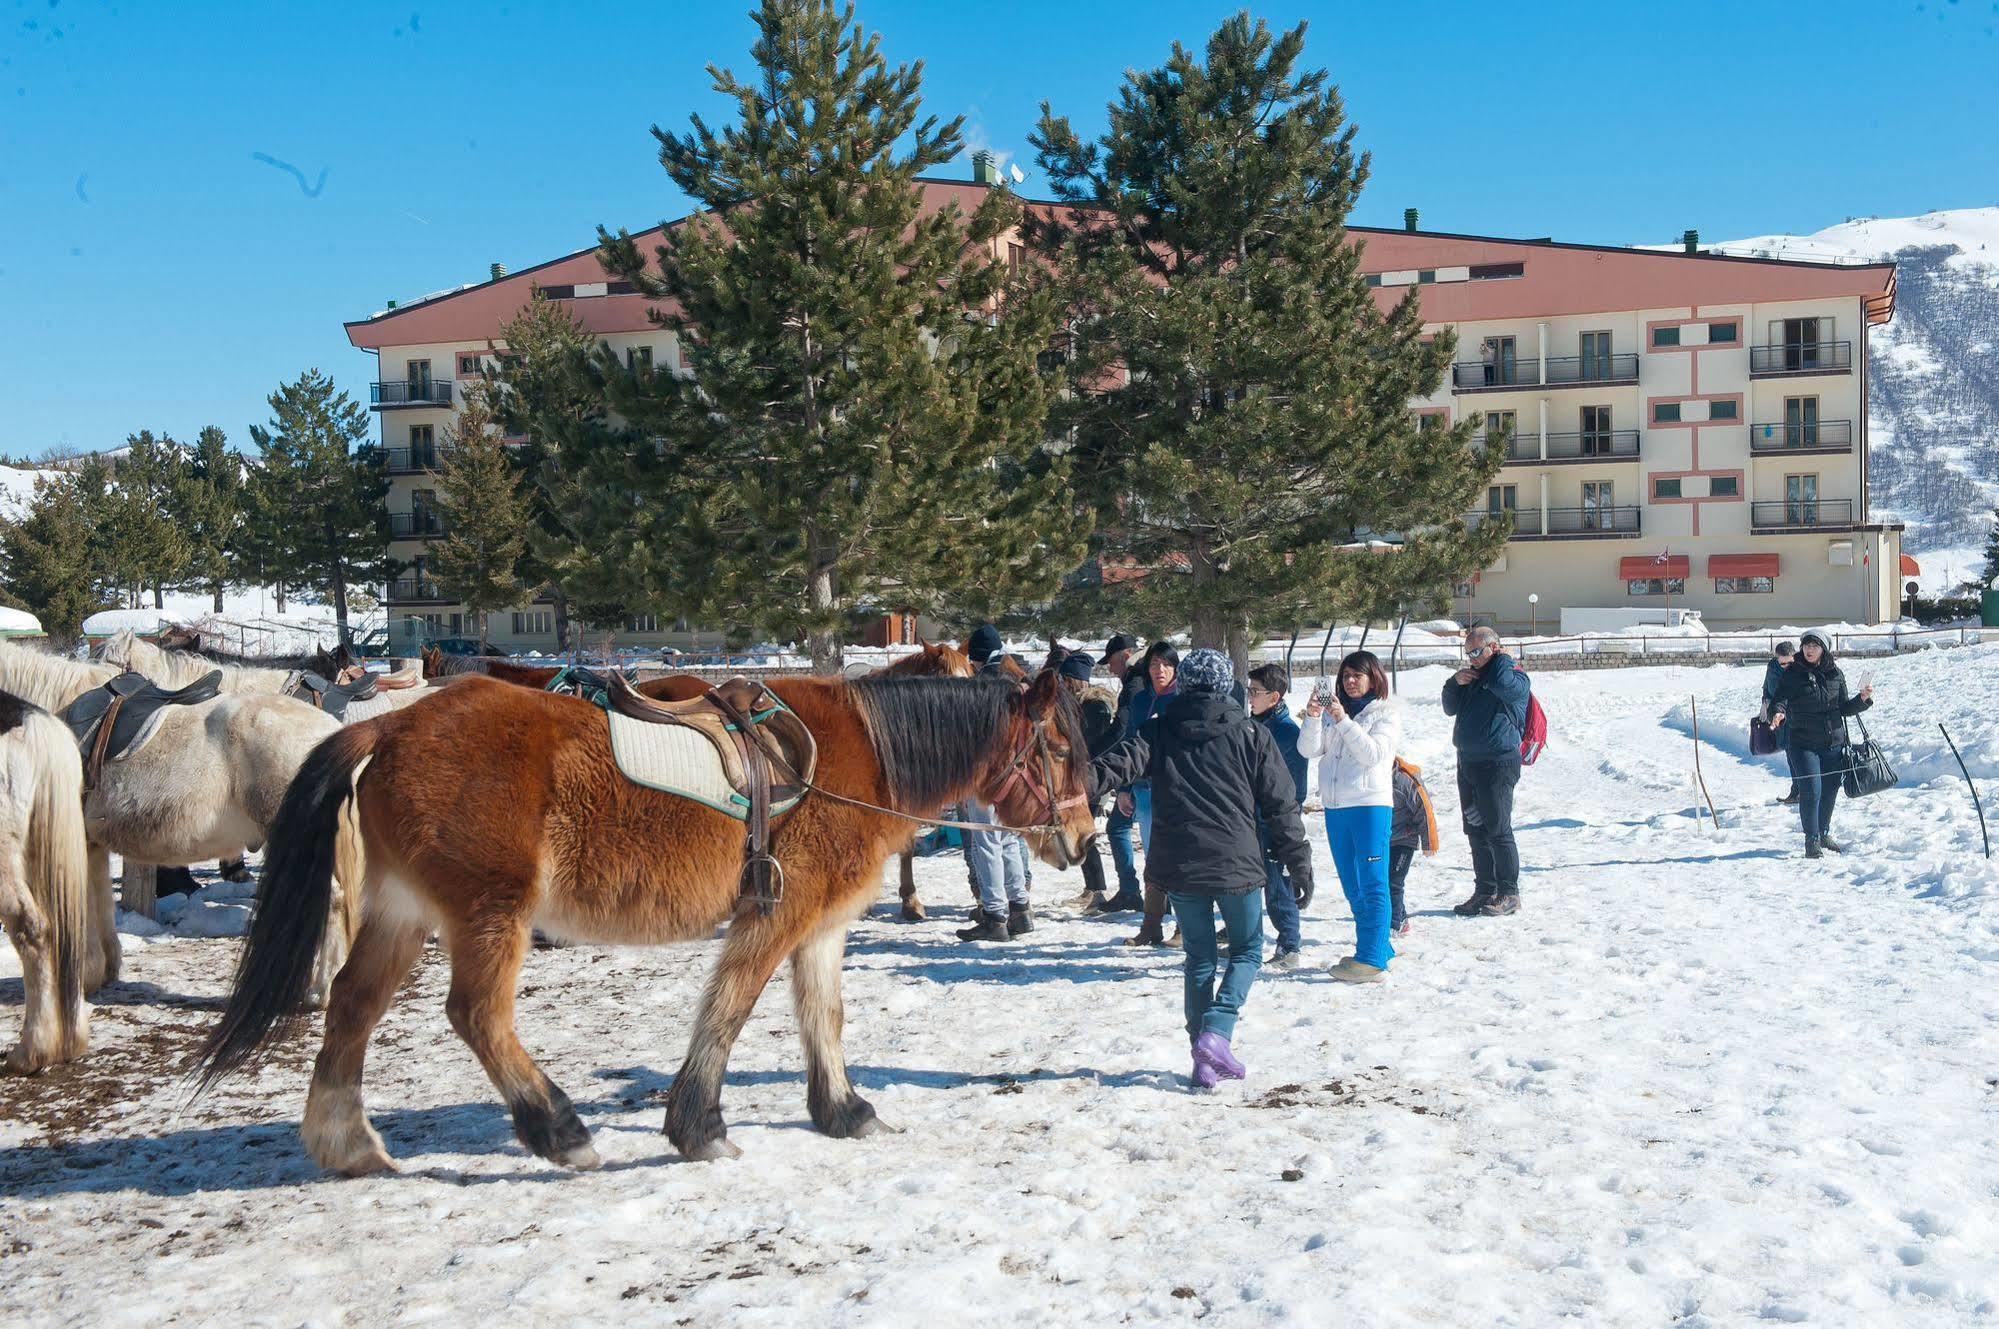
[1042, 693]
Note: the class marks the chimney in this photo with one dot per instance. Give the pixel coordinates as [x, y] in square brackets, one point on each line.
[498, 270]
[1408, 219]
[985, 171]
[1692, 240]
[392, 304]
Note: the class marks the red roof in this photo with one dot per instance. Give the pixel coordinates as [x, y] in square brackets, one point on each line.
[1555, 279]
[1639, 567]
[1909, 568]
[1742, 565]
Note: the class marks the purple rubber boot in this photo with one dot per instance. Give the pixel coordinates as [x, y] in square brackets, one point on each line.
[1205, 1074]
[1211, 1051]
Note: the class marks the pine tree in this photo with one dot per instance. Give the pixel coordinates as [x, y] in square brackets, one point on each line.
[861, 420]
[140, 528]
[1991, 577]
[1256, 431]
[47, 558]
[210, 506]
[547, 391]
[485, 513]
[320, 517]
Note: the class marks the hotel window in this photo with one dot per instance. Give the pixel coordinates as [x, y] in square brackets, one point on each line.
[1599, 510]
[1665, 412]
[642, 623]
[1494, 271]
[423, 447]
[1374, 279]
[1596, 361]
[1015, 256]
[1724, 486]
[1501, 428]
[1596, 431]
[1729, 333]
[1657, 586]
[533, 623]
[1801, 422]
[638, 357]
[1426, 276]
[1666, 336]
[1666, 487]
[1744, 585]
[418, 376]
[1429, 420]
[468, 364]
[1464, 590]
[1722, 410]
[1501, 498]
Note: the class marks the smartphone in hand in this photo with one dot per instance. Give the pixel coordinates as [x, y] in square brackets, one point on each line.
[1322, 691]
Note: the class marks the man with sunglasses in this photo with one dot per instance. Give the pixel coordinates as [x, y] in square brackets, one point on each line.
[1488, 697]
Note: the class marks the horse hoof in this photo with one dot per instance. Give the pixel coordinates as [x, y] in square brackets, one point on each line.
[22, 1062]
[875, 1126]
[583, 1158]
[367, 1164]
[913, 913]
[712, 1151]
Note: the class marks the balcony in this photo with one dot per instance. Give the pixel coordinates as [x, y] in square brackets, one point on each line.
[398, 393]
[416, 590]
[1597, 523]
[1557, 371]
[418, 525]
[1800, 439]
[1799, 359]
[1802, 514]
[410, 461]
[1597, 445]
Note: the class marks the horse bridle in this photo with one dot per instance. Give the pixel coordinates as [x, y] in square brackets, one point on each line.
[1018, 771]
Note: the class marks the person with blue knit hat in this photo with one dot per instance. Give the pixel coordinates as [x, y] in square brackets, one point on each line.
[1213, 772]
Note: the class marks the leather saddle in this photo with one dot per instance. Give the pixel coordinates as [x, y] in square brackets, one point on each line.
[112, 721]
[766, 755]
[408, 675]
[326, 694]
[593, 685]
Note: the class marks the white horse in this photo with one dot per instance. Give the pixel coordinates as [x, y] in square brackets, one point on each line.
[44, 883]
[207, 783]
[177, 669]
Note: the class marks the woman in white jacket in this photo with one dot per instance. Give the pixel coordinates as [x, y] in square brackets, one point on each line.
[1354, 734]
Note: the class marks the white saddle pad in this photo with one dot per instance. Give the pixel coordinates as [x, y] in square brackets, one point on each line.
[673, 760]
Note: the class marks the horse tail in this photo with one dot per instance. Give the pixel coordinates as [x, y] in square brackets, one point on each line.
[314, 851]
[57, 860]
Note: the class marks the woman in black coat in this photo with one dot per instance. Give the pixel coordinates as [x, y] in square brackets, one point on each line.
[1809, 713]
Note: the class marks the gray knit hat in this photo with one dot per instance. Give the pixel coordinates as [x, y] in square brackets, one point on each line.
[1206, 670]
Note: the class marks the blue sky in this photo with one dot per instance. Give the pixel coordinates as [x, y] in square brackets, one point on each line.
[155, 272]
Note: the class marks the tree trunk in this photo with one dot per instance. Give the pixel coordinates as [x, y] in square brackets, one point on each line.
[159, 596]
[820, 595]
[278, 589]
[218, 597]
[560, 601]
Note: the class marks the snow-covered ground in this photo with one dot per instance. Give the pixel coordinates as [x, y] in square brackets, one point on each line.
[1698, 1081]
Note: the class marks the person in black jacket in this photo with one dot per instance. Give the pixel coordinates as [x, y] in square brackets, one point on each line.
[1213, 772]
[1489, 698]
[1810, 711]
[1773, 673]
[1100, 735]
[1121, 821]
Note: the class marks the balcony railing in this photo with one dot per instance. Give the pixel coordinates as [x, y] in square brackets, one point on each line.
[1801, 514]
[1594, 445]
[410, 392]
[1557, 371]
[407, 461]
[1593, 523]
[414, 590]
[1818, 436]
[1801, 357]
[415, 525]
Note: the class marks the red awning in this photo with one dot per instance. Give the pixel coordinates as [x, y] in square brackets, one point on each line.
[1741, 565]
[1909, 568]
[1640, 567]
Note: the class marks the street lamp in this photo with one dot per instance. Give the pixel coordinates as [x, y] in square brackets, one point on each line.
[1533, 615]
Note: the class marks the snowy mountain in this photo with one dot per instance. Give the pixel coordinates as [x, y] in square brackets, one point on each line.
[1933, 398]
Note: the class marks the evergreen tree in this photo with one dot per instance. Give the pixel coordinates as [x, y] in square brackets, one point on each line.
[548, 391]
[1242, 406]
[47, 558]
[485, 513]
[320, 516]
[139, 528]
[861, 419]
[210, 506]
[1991, 577]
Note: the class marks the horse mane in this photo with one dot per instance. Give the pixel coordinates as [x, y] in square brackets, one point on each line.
[933, 660]
[450, 666]
[177, 669]
[49, 681]
[932, 736]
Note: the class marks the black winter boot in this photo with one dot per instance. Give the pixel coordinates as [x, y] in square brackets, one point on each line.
[1018, 920]
[985, 927]
[1471, 908]
[1812, 849]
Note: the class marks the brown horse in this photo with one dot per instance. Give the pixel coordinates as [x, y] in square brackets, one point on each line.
[491, 810]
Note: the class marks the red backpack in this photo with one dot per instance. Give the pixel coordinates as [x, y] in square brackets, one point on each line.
[1533, 734]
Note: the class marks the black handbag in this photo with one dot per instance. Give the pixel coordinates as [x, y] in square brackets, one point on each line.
[1867, 771]
[1762, 738]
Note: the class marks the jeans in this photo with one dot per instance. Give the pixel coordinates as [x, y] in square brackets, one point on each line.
[1359, 839]
[1117, 829]
[1281, 903]
[1485, 797]
[1818, 772]
[998, 860]
[1791, 764]
[1211, 1008]
[1400, 856]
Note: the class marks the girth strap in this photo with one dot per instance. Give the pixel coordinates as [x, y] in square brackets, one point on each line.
[762, 881]
[93, 761]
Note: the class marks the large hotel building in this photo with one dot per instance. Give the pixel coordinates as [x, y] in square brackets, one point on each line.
[1681, 428]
